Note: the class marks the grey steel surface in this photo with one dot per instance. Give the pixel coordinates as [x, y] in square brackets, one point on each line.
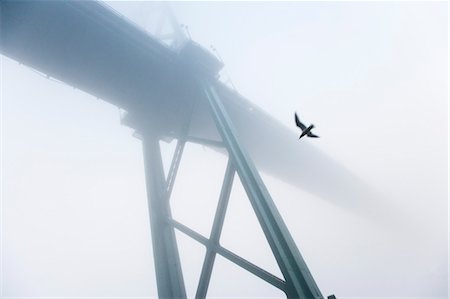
[169, 276]
[88, 46]
[231, 256]
[171, 176]
[299, 281]
[216, 231]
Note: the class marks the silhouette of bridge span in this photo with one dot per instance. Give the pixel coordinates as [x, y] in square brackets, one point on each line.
[174, 93]
[93, 49]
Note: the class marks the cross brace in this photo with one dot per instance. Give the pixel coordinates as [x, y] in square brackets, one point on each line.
[298, 281]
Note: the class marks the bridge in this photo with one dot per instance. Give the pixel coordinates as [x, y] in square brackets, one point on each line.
[174, 93]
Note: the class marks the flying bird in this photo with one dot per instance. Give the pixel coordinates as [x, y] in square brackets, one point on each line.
[305, 130]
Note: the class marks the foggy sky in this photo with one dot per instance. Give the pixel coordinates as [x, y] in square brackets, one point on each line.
[372, 77]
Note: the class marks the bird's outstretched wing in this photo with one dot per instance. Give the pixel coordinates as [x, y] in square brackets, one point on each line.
[312, 135]
[298, 122]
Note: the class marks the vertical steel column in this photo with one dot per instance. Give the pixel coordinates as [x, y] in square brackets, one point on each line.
[299, 281]
[169, 277]
[216, 231]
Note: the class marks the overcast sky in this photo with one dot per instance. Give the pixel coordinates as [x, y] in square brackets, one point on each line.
[372, 77]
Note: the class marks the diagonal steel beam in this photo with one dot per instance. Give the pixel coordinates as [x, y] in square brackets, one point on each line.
[176, 160]
[300, 283]
[243, 263]
[216, 231]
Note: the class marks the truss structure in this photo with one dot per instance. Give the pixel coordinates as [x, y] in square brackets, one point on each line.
[297, 281]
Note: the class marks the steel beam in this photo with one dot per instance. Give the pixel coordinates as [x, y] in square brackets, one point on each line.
[300, 283]
[169, 276]
[182, 139]
[170, 181]
[232, 257]
[216, 231]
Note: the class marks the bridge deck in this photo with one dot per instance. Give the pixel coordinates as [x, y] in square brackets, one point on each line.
[88, 46]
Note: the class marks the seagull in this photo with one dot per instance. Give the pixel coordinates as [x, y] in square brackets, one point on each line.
[305, 130]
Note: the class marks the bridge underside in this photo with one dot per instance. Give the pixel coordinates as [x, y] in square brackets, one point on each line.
[89, 47]
[166, 96]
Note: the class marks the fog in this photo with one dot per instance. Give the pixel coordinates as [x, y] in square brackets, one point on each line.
[372, 77]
